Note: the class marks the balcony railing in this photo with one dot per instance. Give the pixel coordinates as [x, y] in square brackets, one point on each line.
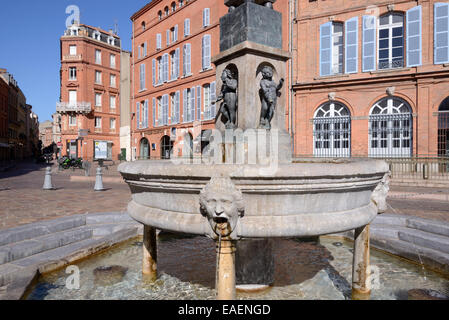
[395, 64]
[79, 107]
[77, 57]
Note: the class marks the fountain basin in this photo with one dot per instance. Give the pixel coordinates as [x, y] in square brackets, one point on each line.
[303, 199]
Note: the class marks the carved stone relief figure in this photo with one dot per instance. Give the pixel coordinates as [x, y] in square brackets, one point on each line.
[269, 92]
[228, 96]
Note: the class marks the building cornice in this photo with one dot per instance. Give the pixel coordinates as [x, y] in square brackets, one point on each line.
[145, 9]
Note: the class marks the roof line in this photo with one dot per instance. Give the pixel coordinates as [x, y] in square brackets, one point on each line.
[145, 9]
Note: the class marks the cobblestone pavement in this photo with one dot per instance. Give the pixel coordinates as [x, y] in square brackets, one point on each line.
[23, 201]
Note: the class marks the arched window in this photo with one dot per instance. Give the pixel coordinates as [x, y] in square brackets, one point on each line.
[181, 3]
[391, 41]
[144, 149]
[173, 7]
[166, 10]
[159, 15]
[390, 128]
[443, 128]
[143, 25]
[166, 148]
[332, 131]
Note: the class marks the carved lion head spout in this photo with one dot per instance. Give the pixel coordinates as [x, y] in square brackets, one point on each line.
[222, 204]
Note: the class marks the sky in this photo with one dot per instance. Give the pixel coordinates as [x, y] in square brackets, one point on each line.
[29, 41]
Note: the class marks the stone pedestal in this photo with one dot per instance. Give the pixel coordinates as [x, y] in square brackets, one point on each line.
[247, 60]
[254, 264]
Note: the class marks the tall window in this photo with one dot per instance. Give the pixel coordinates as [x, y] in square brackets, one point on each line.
[72, 73]
[206, 17]
[98, 56]
[443, 129]
[113, 80]
[390, 128]
[158, 41]
[72, 97]
[173, 7]
[186, 63]
[206, 52]
[97, 122]
[160, 71]
[72, 121]
[98, 98]
[331, 48]
[209, 101]
[186, 27]
[332, 131]
[441, 33]
[391, 41]
[98, 77]
[112, 102]
[112, 61]
[142, 77]
[337, 48]
[72, 50]
[112, 124]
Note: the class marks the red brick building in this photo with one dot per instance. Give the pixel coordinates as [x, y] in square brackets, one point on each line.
[90, 93]
[174, 86]
[4, 143]
[371, 78]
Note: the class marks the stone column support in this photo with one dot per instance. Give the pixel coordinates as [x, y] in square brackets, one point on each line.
[226, 270]
[361, 268]
[149, 265]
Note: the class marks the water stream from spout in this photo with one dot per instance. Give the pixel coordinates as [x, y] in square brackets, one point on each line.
[218, 260]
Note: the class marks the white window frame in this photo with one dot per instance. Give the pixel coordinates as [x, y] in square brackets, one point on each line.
[112, 124]
[388, 126]
[98, 122]
[113, 81]
[72, 120]
[98, 99]
[72, 73]
[72, 50]
[332, 131]
[97, 56]
[112, 61]
[98, 77]
[112, 101]
[390, 28]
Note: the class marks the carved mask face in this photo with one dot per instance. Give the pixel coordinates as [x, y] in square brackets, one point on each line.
[221, 203]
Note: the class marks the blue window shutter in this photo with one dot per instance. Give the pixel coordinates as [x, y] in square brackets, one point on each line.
[441, 33]
[213, 97]
[154, 72]
[414, 42]
[185, 116]
[326, 49]
[369, 43]
[192, 104]
[138, 115]
[176, 113]
[351, 45]
[154, 112]
[147, 114]
[177, 63]
[198, 103]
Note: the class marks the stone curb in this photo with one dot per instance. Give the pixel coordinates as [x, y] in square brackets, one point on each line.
[73, 238]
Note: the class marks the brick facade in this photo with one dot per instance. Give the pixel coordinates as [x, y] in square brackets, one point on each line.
[422, 87]
[94, 90]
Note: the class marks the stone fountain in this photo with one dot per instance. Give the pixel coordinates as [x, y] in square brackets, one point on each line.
[248, 190]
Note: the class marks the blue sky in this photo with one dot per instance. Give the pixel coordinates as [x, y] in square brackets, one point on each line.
[29, 41]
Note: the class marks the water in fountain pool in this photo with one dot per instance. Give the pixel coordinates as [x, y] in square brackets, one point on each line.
[186, 266]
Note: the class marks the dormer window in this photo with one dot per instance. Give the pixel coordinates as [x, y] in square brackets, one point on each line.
[96, 35]
[74, 31]
[111, 40]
